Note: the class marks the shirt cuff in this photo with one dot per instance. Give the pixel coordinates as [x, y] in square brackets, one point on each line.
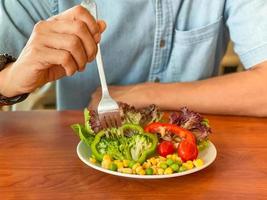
[254, 56]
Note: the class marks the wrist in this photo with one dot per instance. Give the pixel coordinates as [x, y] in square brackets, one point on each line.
[167, 96]
[6, 89]
[8, 96]
[150, 93]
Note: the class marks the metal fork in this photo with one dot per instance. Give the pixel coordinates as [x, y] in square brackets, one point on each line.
[108, 109]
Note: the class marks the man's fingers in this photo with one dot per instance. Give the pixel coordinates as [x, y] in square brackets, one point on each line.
[51, 57]
[82, 14]
[102, 25]
[56, 72]
[70, 43]
[78, 28]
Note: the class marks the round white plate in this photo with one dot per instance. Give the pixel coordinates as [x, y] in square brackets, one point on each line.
[208, 156]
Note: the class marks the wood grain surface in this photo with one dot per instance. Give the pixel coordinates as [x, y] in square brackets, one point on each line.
[38, 161]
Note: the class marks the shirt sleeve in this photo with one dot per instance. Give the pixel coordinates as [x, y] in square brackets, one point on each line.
[17, 19]
[247, 24]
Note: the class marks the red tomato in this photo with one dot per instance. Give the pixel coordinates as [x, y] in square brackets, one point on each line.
[187, 151]
[165, 148]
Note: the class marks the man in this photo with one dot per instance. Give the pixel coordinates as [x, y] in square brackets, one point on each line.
[165, 51]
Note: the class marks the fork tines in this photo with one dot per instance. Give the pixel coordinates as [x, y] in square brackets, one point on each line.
[110, 119]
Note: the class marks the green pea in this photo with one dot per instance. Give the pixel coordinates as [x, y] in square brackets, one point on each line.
[169, 161]
[131, 163]
[182, 169]
[113, 167]
[175, 167]
[163, 165]
[149, 171]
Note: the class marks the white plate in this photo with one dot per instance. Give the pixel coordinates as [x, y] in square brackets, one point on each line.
[208, 156]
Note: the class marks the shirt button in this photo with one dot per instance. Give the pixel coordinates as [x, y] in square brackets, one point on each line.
[162, 43]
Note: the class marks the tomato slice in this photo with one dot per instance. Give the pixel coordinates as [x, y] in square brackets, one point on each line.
[165, 148]
[187, 151]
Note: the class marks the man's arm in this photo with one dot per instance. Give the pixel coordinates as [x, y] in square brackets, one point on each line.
[243, 93]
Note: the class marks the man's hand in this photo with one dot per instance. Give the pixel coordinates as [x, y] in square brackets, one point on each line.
[137, 95]
[59, 46]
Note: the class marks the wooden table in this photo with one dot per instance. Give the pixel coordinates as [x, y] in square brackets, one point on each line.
[38, 161]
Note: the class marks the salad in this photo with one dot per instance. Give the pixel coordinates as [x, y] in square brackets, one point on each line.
[149, 142]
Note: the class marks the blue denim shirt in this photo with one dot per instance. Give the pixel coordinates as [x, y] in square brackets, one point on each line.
[148, 40]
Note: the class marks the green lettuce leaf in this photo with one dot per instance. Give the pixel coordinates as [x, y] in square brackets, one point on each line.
[83, 134]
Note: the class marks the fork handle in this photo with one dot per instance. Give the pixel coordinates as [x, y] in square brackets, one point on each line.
[91, 6]
[101, 72]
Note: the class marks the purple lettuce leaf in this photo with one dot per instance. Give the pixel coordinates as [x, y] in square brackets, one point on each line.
[191, 121]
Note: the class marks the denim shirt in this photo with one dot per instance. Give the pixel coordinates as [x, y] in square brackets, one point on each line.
[148, 40]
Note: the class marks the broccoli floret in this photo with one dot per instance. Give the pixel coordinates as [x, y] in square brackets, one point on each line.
[139, 143]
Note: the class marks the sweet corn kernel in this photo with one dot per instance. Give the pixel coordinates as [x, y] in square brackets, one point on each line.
[168, 171]
[198, 162]
[154, 169]
[105, 163]
[141, 172]
[158, 160]
[120, 169]
[118, 163]
[162, 158]
[160, 171]
[134, 171]
[93, 160]
[179, 161]
[148, 161]
[126, 170]
[106, 157]
[153, 161]
[188, 165]
[125, 163]
[169, 156]
[138, 169]
[175, 157]
[146, 165]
